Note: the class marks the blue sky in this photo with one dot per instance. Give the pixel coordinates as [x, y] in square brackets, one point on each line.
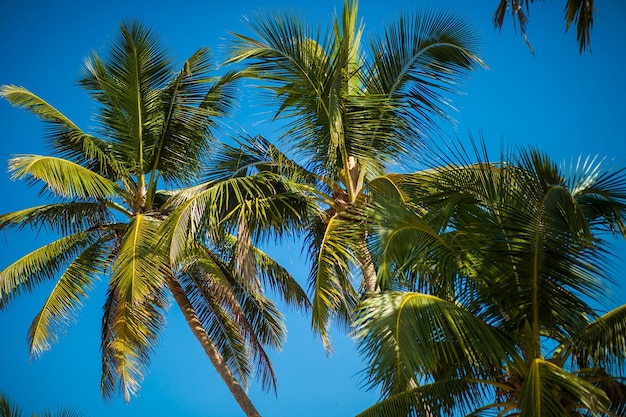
[558, 100]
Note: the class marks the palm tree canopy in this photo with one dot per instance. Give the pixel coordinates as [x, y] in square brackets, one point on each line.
[351, 110]
[156, 125]
[518, 247]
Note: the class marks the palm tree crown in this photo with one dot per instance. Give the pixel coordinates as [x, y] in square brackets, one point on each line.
[491, 274]
[155, 127]
[350, 114]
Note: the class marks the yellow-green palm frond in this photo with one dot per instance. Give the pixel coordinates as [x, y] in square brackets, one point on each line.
[66, 297]
[65, 138]
[62, 177]
[208, 209]
[41, 265]
[130, 332]
[139, 265]
[127, 86]
[134, 310]
[445, 398]
[191, 104]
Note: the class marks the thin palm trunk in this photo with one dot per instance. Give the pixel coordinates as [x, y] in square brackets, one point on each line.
[211, 350]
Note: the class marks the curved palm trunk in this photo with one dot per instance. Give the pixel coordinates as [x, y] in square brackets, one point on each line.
[209, 347]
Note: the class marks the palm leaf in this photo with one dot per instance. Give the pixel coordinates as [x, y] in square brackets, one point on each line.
[63, 218]
[452, 397]
[41, 265]
[332, 244]
[62, 177]
[545, 378]
[65, 298]
[602, 343]
[405, 336]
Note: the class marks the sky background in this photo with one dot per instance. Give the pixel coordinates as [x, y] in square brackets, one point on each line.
[558, 100]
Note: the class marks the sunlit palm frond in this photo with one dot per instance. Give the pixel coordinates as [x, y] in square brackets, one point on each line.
[139, 262]
[254, 155]
[64, 218]
[65, 138]
[190, 104]
[41, 265]
[127, 85]
[130, 332]
[209, 208]
[62, 177]
[408, 337]
[66, 298]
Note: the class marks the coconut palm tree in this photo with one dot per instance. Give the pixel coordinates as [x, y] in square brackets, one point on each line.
[10, 409]
[349, 115]
[491, 277]
[155, 127]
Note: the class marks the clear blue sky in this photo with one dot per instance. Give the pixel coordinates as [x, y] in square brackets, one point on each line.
[567, 104]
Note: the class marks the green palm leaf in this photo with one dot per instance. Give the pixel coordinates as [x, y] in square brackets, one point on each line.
[408, 336]
[545, 378]
[65, 298]
[602, 343]
[41, 265]
[62, 177]
[63, 218]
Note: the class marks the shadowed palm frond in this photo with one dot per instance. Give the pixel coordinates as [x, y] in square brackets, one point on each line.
[412, 337]
[576, 395]
[63, 218]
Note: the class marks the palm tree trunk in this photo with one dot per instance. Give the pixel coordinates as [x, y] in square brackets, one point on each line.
[211, 350]
[367, 268]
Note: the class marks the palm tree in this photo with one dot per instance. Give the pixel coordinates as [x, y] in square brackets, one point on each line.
[10, 409]
[490, 275]
[155, 129]
[349, 116]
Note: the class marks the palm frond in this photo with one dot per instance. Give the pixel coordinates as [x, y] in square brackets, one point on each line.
[580, 12]
[417, 62]
[63, 218]
[63, 177]
[65, 298]
[190, 104]
[331, 244]
[134, 310]
[406, 336]
[545, 378]
[452, 397]
[602, 343]
[65, 138]
[9, 408]
[127, 85]
[41, 265]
